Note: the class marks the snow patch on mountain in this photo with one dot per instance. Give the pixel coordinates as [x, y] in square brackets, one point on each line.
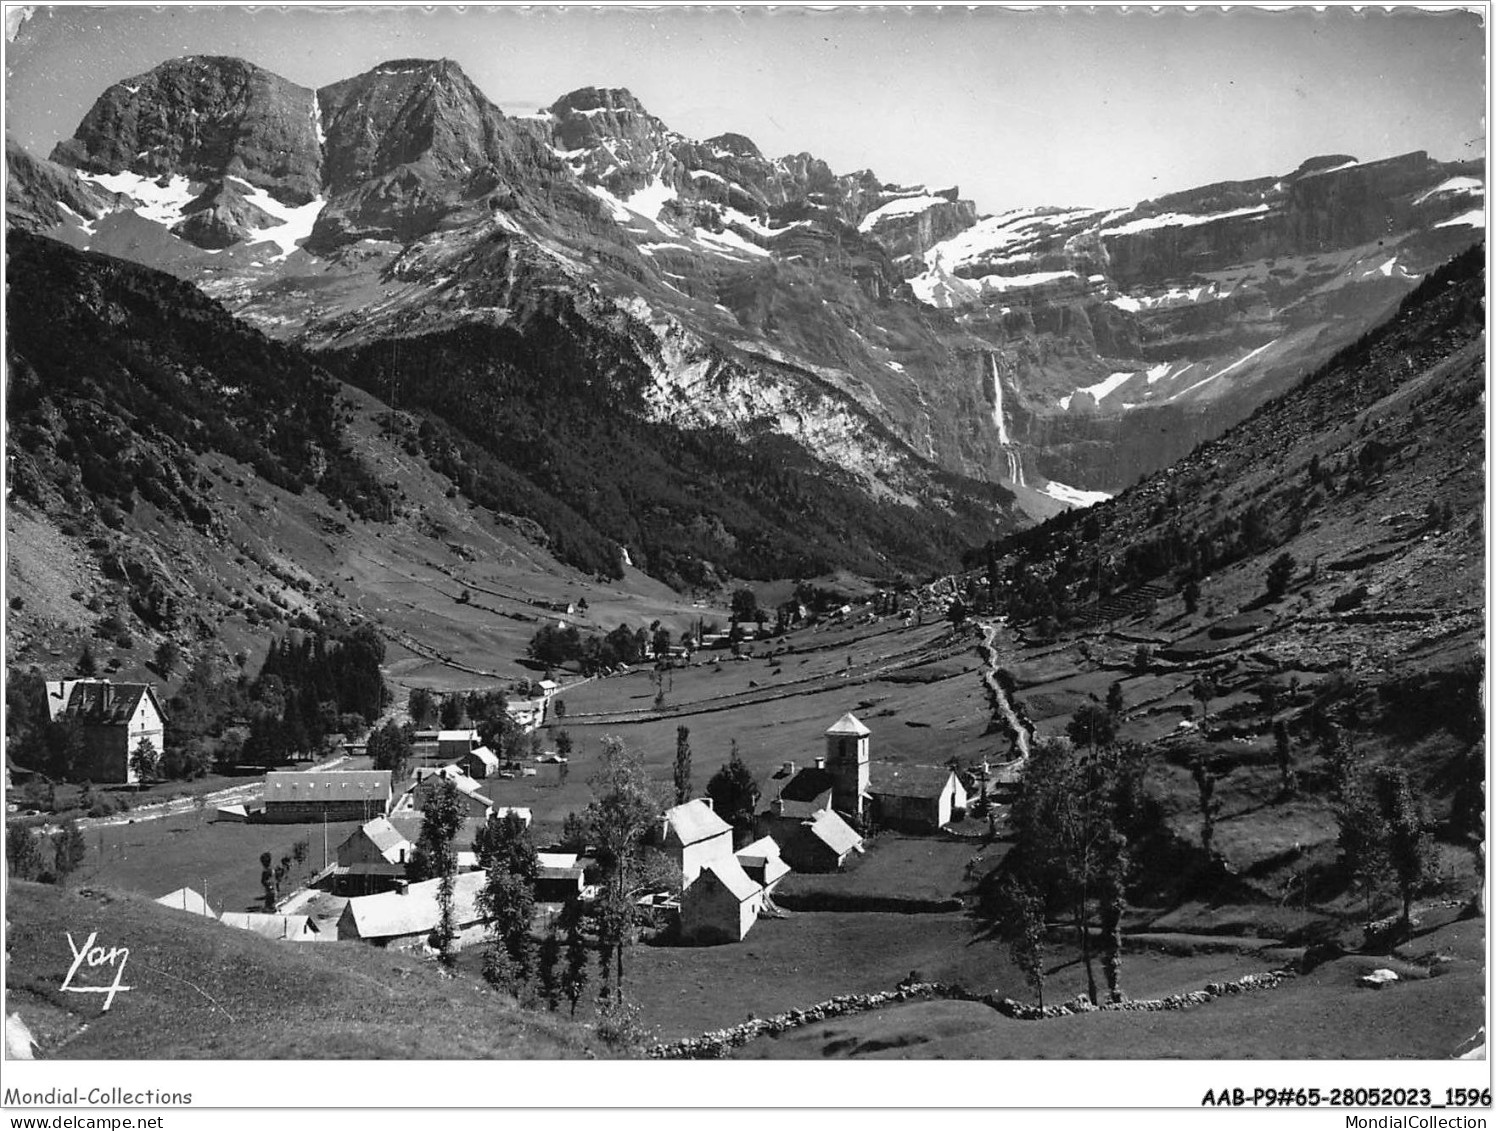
[1101, 389]
[901, 206]
[649, 200]
[1237, 364]
[296, 222]
[1181, 220]
[154, 201]
[1073, 496]
[1468, 186]
[1475, 218]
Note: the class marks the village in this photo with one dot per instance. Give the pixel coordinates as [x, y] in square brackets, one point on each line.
[342, 840]
[771, 820]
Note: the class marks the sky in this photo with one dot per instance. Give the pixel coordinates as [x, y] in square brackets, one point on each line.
[1091, 106]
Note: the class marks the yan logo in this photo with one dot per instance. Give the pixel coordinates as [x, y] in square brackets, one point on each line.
[93, 957]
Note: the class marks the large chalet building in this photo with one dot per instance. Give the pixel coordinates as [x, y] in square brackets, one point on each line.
[115, 718]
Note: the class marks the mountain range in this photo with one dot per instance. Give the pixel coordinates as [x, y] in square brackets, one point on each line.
[1078, 345]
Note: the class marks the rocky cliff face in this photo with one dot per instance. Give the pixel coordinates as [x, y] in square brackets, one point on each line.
[1074, 345]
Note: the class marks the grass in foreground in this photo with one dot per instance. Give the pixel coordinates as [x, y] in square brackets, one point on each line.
[203, 990]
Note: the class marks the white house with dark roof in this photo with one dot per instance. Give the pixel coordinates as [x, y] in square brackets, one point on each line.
[115, 718]
[720, 905]
[693, 835]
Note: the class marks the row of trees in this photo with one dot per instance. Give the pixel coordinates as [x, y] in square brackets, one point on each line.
[31, 855]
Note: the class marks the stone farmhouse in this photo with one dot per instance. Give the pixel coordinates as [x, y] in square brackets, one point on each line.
[479, 763]
[371, 860]
[115, 717]
[326, 795]
[693, 835]
[821, 844]
[922, 798]
[721, 903]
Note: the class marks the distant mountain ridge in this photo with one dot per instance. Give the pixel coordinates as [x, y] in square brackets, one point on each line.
[1059, 351]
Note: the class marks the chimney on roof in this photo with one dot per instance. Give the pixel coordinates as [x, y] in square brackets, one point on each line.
[402, 886]
[789, 769]
[820, 761]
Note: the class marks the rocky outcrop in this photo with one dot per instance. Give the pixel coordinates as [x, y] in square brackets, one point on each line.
[39, 194]
[204, 117]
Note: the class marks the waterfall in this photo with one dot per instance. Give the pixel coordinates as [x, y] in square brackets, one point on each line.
[1015, 459]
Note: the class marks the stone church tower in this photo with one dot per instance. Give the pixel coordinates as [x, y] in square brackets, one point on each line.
[847, 763]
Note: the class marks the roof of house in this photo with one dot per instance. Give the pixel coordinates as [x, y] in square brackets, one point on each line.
[327, 785]
[556, 859]
[385, 837]
[848, 724]
[185, 899]
[270, 926]
[408, 825]
[695, 821]
[457, 736]
[912, 781]
[459, 777]
[827, 827]
[101, 701]
[729, 873]
[810, 784]
[414, 911]
[764, 848]
[486, 756]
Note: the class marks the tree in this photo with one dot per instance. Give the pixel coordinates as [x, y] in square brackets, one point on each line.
[956, 612]
[1191, 593]
[1283, 748]
[624, 808]
[1026, 942]
[1204, 689]
[1279, 574]
[453, 712]
[1410, 849]
[1092, 726]
[69, 849]
[563, 743]
[574, 976]
[1362, 839]
[1115, 704]
[1210, 807]
[422, 707]
[267, 882]
[744, 605]
[88, 667]
[550, 967]
[168, 655]
[1067, 819]
[392, 747]
[23, 856]
[439, 828]
[682, 765]
[734, 792]
[143, 760]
